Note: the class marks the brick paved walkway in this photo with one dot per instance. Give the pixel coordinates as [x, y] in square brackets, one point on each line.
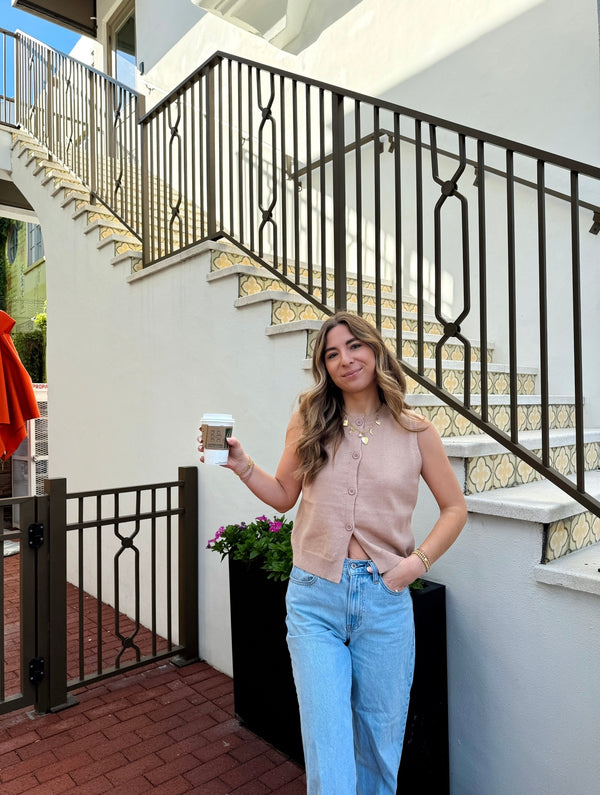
[159, 729]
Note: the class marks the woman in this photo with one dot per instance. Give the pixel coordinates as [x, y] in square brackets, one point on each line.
[355, 453]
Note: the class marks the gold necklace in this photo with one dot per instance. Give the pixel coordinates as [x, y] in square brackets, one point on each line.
[363, 435]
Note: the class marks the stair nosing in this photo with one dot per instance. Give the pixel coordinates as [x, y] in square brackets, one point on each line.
[477, 445]
[429, 399]
[541, 501]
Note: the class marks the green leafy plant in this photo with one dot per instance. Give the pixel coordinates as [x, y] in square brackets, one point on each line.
[31, 347]
[264, 541]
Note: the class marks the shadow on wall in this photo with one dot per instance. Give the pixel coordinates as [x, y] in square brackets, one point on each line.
[319, 17]
[479, 86]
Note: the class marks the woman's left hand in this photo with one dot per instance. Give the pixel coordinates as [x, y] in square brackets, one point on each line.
[404, 573]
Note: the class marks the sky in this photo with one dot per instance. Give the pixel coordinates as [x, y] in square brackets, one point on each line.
[54, 36]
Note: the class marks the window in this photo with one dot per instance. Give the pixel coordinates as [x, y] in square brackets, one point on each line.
[12, 244]
[35, 244]
[121, 38]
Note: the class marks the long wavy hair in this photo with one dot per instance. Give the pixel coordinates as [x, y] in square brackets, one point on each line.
[321, 408]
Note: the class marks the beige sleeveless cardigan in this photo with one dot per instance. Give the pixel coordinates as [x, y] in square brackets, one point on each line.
[365, 490]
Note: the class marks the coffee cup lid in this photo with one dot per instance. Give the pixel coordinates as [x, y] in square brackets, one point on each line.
[217, 418]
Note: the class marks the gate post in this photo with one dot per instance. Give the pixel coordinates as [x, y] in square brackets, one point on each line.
[188, 566]
[52, 615]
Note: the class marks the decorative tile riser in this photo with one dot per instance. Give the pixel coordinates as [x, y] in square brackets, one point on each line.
[449, 422]
[570, 534]
[283, 312]
[453, 382]
[108, 231]
[287, 312]
[484, 473]
[252, 285]
[224, 259]
[95, 216]
[121, 248]
[451, 351]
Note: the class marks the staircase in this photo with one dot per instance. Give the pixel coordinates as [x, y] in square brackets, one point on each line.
[120, 244]
[494, 480]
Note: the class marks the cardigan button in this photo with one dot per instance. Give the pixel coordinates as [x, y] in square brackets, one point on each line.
[356, 454]
[351, 491]
[349, 528]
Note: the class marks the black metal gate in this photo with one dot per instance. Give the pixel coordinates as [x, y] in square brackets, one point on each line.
[95, 583]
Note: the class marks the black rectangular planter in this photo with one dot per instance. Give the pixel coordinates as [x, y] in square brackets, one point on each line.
[263, 685]
[424, 763]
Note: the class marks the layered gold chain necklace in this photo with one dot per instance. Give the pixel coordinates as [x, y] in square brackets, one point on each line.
[363, 433]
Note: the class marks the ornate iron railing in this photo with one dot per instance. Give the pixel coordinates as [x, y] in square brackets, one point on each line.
[98, 582]
[441, 233]
[7, 77]
[420, 223]
[85, 119]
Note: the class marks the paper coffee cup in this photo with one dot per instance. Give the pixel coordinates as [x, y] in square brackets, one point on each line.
[216, 429]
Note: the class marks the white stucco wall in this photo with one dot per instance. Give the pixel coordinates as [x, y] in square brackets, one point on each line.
[524, 69]
[522, 665]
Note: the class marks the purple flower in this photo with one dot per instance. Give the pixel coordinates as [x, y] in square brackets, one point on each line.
[261, 519]
[274, 527]
[219, 533]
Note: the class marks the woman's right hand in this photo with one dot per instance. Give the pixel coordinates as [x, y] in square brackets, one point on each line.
[237, 460]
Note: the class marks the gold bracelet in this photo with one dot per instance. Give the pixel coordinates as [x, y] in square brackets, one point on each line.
[423, 557]
[247, 472]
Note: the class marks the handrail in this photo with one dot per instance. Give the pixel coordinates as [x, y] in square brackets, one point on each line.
[391, 143]
[7, 93]
[211, 159]
[490, 138]
[87, 120]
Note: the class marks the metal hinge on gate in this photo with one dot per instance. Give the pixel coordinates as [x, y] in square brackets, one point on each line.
[36, 670]
[36, 535]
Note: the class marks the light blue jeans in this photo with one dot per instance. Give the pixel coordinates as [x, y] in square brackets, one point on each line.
[352, 646]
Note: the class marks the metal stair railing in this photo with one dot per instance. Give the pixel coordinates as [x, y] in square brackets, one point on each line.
[85, 119]
[7, 77]
[454, 219]
[333, 190]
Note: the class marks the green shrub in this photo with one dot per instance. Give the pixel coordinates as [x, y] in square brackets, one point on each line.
[31, 347]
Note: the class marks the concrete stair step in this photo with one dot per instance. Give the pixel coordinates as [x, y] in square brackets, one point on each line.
[121, 243]
[453, 378]
[32, 153]
[51, 169]
[256, 284]
[288, 310]
[568, 525]
[450, 422]
[92, 212]
[263, 281]
[109, 227]
[132, 259]
[488, 465]
[227, 255]
[73, 198]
